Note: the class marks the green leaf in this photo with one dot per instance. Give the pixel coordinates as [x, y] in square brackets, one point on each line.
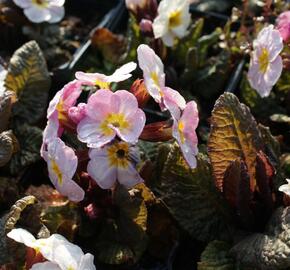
[270, 250]
[261, 107]
[30, 140]
[192, 197]
[234, 134]
[216, 257]
[28, 77]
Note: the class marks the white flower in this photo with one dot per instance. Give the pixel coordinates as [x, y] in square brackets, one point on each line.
[285, 188]
[172, 21]
[3, 73]
[38, 11]
[103, 81]
[60, 253]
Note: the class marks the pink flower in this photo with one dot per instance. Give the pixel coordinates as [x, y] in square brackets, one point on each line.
[266, 63]
[184, 132]
[62, 164]
[76, 114]
[154, 78]
[283, 25]
[153, 71]
[64, 99]
[109, 115]
[116, 161]
[103, 81]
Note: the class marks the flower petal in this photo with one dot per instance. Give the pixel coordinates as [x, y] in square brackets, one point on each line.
[137, 123]
[129, 176]
[90, 133]
[23, 3]
[127, 104]
[37, 15]
[22, 236]
[122, 73]
[45, 266]
[173, 102]
[57, 13]
[87, 262]
[100, 170]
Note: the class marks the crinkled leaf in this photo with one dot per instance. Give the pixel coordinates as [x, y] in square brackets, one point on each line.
[192, 197]
[30, 140]
[216, 257]
[28, 77]
[16, 211]
[7, 147]
[234, 134]
[124, 239]
[237, 192]
[269, 251]
[5, 109]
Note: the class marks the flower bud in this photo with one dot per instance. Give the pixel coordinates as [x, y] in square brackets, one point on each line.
[138, 89]
[283, 25]
[146, 27]
[157, 132]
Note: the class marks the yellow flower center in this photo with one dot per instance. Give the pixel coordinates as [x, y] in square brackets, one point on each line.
[57, 171]
[155, 79]
[61, 112]
[102, 85]
[175, 19]
[40, 3]
[263, 60]
[118, 155]
[180, 131]
[116, 120]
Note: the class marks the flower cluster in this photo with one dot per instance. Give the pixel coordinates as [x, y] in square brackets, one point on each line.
[58, 252]
[168, 21]
[38, 11]
[109, 125]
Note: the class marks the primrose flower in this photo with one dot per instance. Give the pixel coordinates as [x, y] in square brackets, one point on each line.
[153, 71]
[172, 21]
[38, 11]
[109, 115]
[183, 131]
[62, 164]
[60, 253]
[116, 161]
[283, 25]
[154, 79]
[285, 188]
[266, 63]
[103, 81]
